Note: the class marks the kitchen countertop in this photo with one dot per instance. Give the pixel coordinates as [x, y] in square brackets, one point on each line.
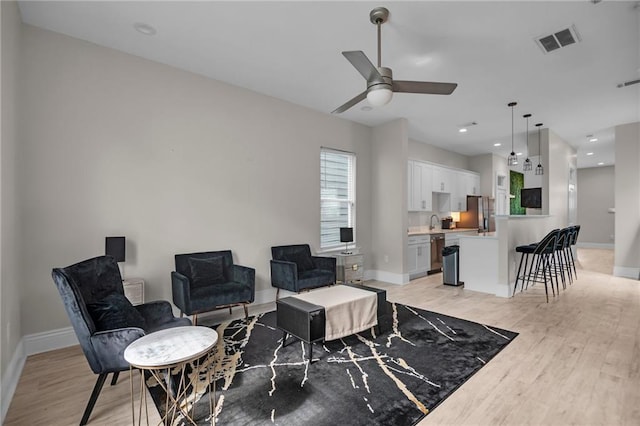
[424, 230]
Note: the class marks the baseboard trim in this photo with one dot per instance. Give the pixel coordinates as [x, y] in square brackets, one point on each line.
[11, 379]
[49, 340]
[596, 245]
[623, 271]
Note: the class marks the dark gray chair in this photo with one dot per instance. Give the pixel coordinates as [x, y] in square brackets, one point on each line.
[206, 281]
[104, 320]
[293, 268]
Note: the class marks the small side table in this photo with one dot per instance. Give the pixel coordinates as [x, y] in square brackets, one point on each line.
[170, 350]
[350, 268]
[134, 290]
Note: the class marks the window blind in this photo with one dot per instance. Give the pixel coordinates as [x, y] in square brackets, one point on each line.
[337, 195]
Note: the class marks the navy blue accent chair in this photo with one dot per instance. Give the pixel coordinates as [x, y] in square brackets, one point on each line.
[293, 268]
[93, 296]
[207, 281]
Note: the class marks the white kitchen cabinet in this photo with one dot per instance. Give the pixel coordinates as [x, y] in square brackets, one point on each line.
[412, 259]
[419, 175]
[473, 184]
[442, 179]
[419, 256]
[467, 183]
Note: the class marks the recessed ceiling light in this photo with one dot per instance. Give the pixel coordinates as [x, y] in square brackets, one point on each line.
[518, 153]
[145, 29]
[463, 130]
[600, 164]
[497, 144]
[366, 108]
[589, 153]
[593, 140]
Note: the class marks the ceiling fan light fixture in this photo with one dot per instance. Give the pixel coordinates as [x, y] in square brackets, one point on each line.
[379, 96]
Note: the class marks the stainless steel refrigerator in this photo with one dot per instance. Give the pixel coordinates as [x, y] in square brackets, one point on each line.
[480, 214]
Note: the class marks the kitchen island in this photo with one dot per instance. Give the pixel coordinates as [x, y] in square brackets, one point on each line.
[488, 261]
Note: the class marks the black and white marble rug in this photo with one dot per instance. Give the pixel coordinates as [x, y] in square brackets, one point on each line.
[394, 378]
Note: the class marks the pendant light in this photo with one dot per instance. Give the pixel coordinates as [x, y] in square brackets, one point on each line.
[539, 168]
[527, 167]
[513, 158]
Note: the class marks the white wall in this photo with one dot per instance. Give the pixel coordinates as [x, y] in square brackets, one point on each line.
[389, 206]
[596, 194]
[10, 327]
[627, 188]
[112, 144]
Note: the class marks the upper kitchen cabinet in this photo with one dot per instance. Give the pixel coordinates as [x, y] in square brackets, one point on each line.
[467, 183]
[450, 185]
[442, 180]
[419, 175]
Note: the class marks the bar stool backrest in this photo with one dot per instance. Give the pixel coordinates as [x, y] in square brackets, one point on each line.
[548, 242]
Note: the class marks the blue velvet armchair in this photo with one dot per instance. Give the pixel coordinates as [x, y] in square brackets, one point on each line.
[293, 268]
[104, 320]
[209, 280]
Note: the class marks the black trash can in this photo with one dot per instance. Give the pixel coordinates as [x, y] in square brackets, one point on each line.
[451, 266]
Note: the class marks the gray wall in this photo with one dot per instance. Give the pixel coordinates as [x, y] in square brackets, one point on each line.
[389, 207]
[627, 188]
[560, 158]
[425, 152]
[596, 194]
[10, 327]
[112, 144]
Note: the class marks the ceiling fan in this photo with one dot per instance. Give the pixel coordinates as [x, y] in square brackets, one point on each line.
[380, 82]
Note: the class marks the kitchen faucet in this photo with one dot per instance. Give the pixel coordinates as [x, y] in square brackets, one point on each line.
[431, 221]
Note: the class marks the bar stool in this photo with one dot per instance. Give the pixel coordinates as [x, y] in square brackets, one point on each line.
[542, 254]
[574, 240]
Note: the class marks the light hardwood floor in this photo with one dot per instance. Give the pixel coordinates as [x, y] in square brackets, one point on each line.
[576, 360]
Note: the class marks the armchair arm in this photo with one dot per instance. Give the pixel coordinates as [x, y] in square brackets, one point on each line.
[245, 275]
[109, 346]
[181, 291]
[284, 275]
[157, 312]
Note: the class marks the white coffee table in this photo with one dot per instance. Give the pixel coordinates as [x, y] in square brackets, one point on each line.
[167, 350]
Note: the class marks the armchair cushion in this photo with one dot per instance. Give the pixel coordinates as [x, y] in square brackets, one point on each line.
[115, 311]
[302, 259]
[205, 272]
[293, 268]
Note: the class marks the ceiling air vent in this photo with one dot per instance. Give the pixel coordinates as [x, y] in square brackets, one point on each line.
[562, 38]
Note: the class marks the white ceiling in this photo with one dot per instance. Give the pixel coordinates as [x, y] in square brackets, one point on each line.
[292, 51]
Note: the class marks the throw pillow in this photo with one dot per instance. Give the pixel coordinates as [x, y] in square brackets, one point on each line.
[207, 271]
[115, 311]
[302, 259]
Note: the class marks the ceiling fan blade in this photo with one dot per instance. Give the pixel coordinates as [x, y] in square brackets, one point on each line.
[350, 103]
[428, 87]
[364, 66]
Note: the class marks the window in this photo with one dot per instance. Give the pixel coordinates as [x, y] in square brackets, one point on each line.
[337, 195]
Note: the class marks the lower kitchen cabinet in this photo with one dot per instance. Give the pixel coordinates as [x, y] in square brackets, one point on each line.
[418, 256]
